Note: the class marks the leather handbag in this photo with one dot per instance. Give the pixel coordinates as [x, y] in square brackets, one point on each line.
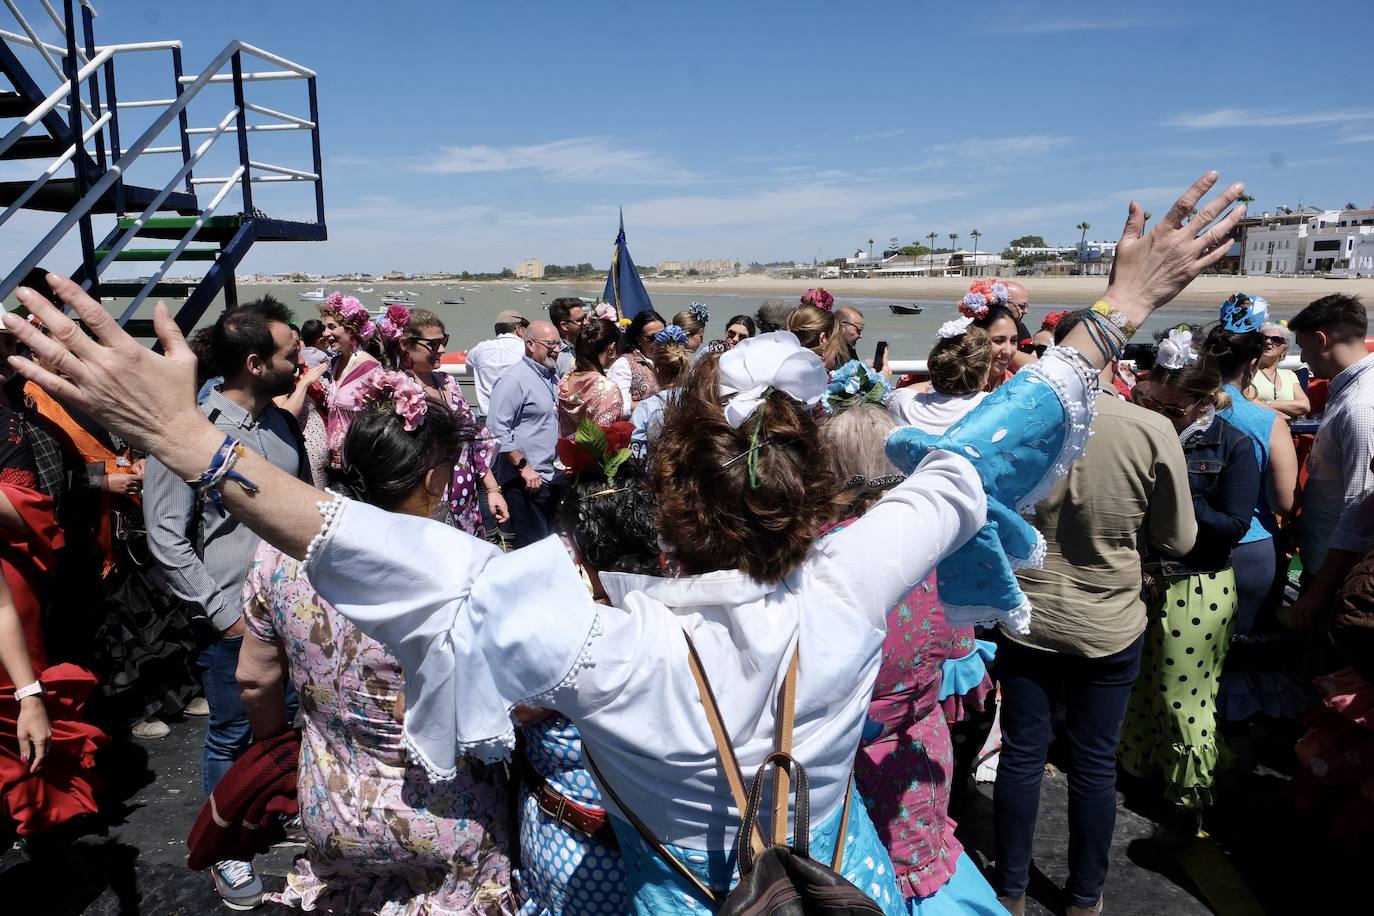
[776, 879]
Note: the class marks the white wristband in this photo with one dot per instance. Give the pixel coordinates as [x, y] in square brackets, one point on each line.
[33, 689]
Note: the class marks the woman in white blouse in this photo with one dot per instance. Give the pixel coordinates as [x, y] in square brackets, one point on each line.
[478, 631]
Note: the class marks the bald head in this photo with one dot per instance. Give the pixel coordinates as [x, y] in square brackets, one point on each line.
[541, 343]
[1018, 299]
[851, 324]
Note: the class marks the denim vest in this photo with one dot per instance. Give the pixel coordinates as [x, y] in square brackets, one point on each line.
[1223, 476]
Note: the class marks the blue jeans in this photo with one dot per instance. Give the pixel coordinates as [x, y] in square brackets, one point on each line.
[227, 733]
[531, 514]
[1095, 692]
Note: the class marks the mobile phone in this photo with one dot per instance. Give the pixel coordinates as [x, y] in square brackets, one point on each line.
[879, 354]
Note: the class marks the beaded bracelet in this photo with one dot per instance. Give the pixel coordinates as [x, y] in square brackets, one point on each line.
[222, 468]
[1108, 338]
[1115, 316]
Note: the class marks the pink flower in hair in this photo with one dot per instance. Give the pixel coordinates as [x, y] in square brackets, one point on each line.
[605, 312]
[819, 298]
[397, 387]
[367, 331]
[392, 327]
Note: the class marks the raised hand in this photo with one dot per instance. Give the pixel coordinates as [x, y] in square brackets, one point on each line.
[144, 397]
[1151, 268]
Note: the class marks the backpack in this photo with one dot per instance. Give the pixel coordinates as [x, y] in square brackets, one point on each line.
[777, 879]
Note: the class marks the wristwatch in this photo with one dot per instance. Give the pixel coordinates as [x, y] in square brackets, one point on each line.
[520, 465]
[34, 689]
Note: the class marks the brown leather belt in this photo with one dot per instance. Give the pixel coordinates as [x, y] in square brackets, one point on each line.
[592, 825]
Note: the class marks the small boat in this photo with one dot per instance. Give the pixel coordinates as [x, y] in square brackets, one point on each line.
[410, 293]
[912, 309]
[363, 289]
[459, 301]
[315, 295]
[396, 300]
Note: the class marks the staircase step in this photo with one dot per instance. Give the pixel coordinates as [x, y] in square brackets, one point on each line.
[160, 254]
[13, 105]
[216, 228]
[59, 196]
[35, 148]
[127, 289]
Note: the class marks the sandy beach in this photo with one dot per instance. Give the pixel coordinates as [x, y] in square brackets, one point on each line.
[1286, 294]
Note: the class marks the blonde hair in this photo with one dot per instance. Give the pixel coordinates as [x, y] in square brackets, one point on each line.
[689, 323]
[810, 324]
[959, 365]
[855, 442]
[671, 361]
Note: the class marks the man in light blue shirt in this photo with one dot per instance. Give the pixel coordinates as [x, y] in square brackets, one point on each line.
[523, 418]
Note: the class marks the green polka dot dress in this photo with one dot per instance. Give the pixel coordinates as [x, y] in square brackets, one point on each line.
[1170, 728]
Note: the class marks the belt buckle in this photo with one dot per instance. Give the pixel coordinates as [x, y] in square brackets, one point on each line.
[561, 815]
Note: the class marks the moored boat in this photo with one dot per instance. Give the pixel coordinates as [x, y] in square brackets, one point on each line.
[912, 309]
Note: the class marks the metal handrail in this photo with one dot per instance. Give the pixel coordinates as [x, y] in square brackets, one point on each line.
[51, 101]
[52, 169]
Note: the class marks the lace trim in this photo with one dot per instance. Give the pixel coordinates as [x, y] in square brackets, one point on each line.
[583, 660]
[1037, 555]
[1016, 619]
[329, 511]
[1079, 415]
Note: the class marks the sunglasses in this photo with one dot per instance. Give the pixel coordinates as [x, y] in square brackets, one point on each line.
[433, 344]
[1168, 410]
[1277, 341]
[1039, 349]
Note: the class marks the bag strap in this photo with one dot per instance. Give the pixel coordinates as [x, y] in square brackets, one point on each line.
[643, 829]
[838, 859]
[782, 743]
[728, 761]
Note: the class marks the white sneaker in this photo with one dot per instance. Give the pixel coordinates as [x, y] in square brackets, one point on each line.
[150, 728]
[237, 884]
[197, 707]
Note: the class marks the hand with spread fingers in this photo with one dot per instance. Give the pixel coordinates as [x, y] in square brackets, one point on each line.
[145, 397]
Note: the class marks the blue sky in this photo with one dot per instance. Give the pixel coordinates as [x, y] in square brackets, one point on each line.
[469, 135]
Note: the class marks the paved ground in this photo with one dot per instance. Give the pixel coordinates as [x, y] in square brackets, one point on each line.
[1260, 861]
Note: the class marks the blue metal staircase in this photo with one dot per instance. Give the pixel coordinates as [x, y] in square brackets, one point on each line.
[66, 124]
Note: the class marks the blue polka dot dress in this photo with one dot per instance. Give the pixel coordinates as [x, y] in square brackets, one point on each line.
[564, 872]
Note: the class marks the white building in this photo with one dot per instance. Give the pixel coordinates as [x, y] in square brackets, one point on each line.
[1340, 242]
[1273, 247]
[529, 269]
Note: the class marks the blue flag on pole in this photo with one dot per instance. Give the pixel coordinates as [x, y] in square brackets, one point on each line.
[624, 289]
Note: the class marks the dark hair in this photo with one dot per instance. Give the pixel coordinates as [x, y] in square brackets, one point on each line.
[421, 319]
[707, 512]
[611, 522]
[596, 336]
[636, 329]
[995, 314]
[1068, 323]
[383, 464]
[1234, 353]
[745, 320]
[242, 332]
[1200, 380]
[1339, 316]
[199, 343]
[312, 331]
[959, 365]
[561, 308]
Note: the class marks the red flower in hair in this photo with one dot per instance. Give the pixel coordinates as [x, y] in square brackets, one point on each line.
[1052, 320]
[606, 447]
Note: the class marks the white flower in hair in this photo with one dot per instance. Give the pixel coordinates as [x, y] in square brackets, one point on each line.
[954, 328]
[1176, 350]
[773, 361]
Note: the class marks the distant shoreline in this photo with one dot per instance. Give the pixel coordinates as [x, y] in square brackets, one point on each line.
[1288, 294]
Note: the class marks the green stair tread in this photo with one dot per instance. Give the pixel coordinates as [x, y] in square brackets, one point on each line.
[160, 254]
[215, 229]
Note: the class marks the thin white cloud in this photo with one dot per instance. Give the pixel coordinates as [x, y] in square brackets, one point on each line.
[1357, 138]
[1082, 25]
[1221, 118]
[878, 135]
[574, 159]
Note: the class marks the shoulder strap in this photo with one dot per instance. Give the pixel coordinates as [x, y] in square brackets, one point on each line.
[728, 761]
[838, 859]
[643, 829]
[782, 742]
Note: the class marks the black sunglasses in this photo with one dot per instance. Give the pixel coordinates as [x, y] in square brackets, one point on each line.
[1277, 341]
[433, 344]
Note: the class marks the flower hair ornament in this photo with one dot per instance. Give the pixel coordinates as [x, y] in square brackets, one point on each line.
[392, 326]
[671, 334]
[1052, 320]
[699, 311]
[819, 298]
[755, 368]
[351, 315]
[855, 383]
[1243, 313]
[955, 327]
[604, 311]
[591, 446]
[981, 295]
[380, 386]
[1176, 350]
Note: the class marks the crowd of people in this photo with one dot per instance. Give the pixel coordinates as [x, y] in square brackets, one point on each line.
[657, 556]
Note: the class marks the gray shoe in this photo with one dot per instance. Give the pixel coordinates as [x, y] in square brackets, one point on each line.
[237, 884]
[150, 728]
[197, 707]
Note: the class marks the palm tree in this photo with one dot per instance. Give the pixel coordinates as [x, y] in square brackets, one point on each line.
[870, 249]
[976, 236]
[932, 237]
[1082, 241]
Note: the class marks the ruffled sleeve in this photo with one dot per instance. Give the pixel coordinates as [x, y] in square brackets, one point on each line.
[476, 631]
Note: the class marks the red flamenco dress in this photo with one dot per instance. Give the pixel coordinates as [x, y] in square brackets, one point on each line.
[62, 787]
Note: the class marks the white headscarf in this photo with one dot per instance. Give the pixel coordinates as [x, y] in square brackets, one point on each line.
[776, 360]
